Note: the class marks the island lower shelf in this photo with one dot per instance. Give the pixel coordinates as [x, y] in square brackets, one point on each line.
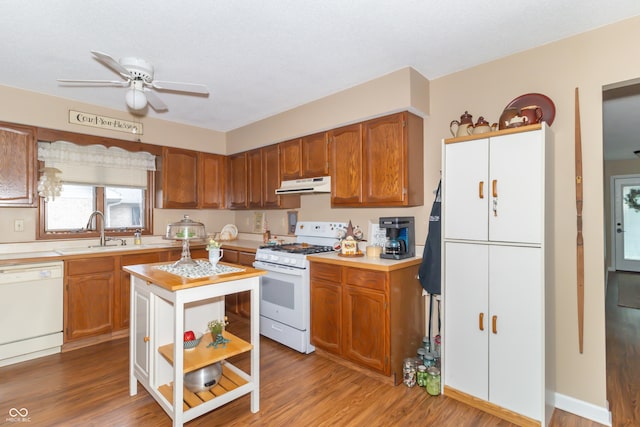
[229, 382]
[203, 354]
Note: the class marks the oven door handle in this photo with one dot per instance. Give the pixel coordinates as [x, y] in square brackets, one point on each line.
[279, 269]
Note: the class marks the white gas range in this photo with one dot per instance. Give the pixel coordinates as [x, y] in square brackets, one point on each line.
[284, 290]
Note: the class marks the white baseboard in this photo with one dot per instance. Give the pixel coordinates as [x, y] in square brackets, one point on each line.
[583, 409]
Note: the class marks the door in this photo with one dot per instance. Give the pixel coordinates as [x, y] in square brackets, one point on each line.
[385, 161]
[627, 223]
[142, 334]
[465, 190]
[254, 182]
[282, 295]
[345, 150]
[237, 181]
[315, 161]
[211, 181]
[466, 318]
[516, 187]
[365, 327]
[515, 323]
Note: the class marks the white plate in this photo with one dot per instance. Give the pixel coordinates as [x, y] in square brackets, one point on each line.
[231, 230]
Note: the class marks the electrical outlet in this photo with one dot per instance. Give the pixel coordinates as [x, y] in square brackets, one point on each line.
[18, 225]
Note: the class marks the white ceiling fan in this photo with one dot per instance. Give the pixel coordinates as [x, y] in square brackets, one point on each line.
[138, 75]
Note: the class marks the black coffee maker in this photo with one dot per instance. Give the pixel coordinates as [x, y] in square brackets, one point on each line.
[400, 241]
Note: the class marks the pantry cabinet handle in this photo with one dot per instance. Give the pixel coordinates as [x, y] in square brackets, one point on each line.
[481, 321]
[494, 324]
[494, 187]
[481, 189]
[146, 339]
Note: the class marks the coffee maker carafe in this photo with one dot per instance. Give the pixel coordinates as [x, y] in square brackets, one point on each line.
[400, 241]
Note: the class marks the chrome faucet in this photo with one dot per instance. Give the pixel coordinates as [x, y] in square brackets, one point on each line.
[94, 214]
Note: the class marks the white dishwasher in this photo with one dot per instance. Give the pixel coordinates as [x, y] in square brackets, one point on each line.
[31, 303]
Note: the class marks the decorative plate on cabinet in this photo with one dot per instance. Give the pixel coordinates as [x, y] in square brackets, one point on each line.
[542, 101]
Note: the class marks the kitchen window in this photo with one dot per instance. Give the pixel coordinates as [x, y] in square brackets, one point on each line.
[114, 182]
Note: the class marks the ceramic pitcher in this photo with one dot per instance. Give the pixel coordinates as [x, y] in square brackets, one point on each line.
[215, 255]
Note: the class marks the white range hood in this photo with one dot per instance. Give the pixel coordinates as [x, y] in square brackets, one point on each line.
[321, 184]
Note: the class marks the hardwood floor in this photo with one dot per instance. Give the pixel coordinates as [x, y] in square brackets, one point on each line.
[89, 387]
[623, 358]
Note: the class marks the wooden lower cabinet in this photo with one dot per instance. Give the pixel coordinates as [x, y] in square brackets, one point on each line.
[123, 286]
[89, 291]
[238, 303]
[370, 317]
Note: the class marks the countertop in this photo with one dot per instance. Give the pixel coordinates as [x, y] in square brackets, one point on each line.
[371, 263]
[74, 252]
[174, 282]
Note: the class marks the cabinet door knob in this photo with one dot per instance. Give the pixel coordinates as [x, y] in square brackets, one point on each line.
[481, 321]
[146, 339]
[494, 324]
[481, 189]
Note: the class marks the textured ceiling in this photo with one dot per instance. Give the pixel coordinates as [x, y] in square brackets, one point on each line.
[262, 57]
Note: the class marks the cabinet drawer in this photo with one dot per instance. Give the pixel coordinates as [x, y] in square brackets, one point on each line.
[246, 258]
[331, 273]
[90, 265]
[141, 258]
[366, 278]
[229, 255]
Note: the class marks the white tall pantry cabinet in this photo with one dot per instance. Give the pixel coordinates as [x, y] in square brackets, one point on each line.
[495, 195]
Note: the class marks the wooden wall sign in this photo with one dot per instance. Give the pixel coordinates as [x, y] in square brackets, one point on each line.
[110, 123]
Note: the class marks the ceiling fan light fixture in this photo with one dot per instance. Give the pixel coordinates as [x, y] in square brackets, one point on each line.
[135, 99]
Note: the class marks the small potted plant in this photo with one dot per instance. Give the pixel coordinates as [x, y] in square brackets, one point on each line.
[216, 327]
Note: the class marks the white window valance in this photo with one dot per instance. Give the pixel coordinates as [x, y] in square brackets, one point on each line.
[97, 164]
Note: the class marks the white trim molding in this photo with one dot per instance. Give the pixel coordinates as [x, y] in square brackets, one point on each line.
[583, 409]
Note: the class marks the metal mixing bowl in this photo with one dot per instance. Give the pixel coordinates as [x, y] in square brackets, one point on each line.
[203, 379]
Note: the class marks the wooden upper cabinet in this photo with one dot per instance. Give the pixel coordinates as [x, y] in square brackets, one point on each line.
[345, 151]
[315, 155]
[306, 157]
[291, 159]
[211, 174]
[378, 163]
[179, 178]
[271, 176]
[237, 173]
[18, 165]
[393, 171]
[254, 181]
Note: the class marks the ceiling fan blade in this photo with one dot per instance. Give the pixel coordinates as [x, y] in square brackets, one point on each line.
[155, 102]
[112, 63]
[73, 82]
[180, 87]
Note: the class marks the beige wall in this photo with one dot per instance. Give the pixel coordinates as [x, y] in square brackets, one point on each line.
[589, 61]
[46, 111]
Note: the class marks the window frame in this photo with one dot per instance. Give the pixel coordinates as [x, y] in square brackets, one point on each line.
[42, 234]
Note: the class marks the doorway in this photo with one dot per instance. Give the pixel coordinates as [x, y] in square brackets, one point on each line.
[621, 149]
[626, 222]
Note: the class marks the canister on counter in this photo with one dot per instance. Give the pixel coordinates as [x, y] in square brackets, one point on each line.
[433, 381]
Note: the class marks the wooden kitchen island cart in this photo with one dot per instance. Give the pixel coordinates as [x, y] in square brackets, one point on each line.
[165, 305]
